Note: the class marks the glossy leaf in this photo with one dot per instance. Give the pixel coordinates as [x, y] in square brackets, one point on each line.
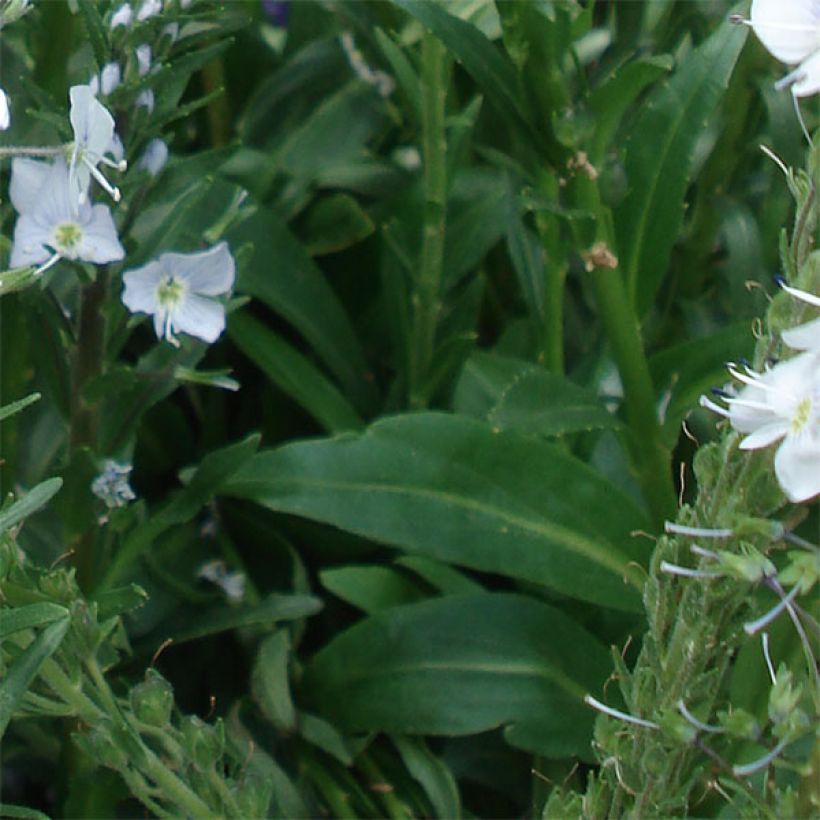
[659, 160]
[370, 588]
[454, 489]
[513, 394]
[292, 373]
[461, 665]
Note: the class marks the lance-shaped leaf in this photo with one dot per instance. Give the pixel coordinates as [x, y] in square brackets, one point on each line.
[454, 489]
[464, 664]
[660, 154]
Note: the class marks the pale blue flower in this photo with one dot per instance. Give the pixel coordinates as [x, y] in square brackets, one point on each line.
[154, 157]
[5, 114]
[178, 290]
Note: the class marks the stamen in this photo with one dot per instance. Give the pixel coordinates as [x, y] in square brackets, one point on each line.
[703, 727]
[760, 763]
[681, 529]
[803, 295]
[776, 159]
[706, 402]
[686, 572]
[700, 551]
[615, 713]
[755, 626]
[47, 264]
[112, 191]
[769, 665]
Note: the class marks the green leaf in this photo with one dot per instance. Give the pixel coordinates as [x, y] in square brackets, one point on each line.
[270, 681]
[282, 275]
[370, 588]
[513, 394]
[22, 672]
[453, 489]
[213, 471]
[114, 602]
[21, 812]
[334, 223]
[271, 610]
[610, 101]
[431, 774]
[322, 734]
[292, 373]
[35, 498]
[207, 378]
[660, 154]
[489, 67]
[461, 665]
[683, 372]
[31, 615]
[96, 30]
[16, 406]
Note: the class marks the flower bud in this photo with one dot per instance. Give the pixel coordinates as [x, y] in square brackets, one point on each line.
[740, 724]
[153, 699]
[784, 696]
[203, 742]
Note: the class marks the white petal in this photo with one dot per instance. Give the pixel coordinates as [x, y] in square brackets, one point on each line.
[5, 114]
[210, 272]
[748, 419]
[145, 99]
[56, 201]
[789, 29]
[30, 239]
[803, 337]
[149, 8]
[122, 16]
[808, 73]
[200, 317]
[92, 123]
[110, 78]
[27, 178]
[139, 295]
[797, 467]
[766, 435]
[143, 59]
[154, 157]
[100, 243]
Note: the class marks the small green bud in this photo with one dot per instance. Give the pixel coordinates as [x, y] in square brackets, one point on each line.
[203, 742]
[740, 724]
[253, 796]
[784, 696]
[803, 570]
[100, 745]
[675, 726]
[153, 699]
[60, 586]
[752, 567]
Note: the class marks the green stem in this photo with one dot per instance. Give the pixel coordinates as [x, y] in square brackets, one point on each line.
[219, 115]
[555, 275]
[393, 807]
[84, 422]
[650, 457]
[426, 304]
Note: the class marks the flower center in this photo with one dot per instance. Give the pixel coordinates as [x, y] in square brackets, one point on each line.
[170, 292]
[67, 236]
[802, 414]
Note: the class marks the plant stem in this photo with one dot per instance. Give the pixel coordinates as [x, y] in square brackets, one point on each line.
[650, 457]
[426, 299]
[84, 422]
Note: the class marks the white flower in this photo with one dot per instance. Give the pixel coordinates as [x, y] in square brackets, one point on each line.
[231, 583]
[51, 225]
[154, 157]
[5, 114]
[122, 16]
[143, 59]
[108, 80]
[178, 289]
[112, 486]
[149, 8]
[790, 30]
[783, 402]
[806, 336]
[145, 99]
[93, 137]
[171, 31]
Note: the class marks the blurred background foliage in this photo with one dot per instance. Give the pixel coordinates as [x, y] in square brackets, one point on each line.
[445, 480]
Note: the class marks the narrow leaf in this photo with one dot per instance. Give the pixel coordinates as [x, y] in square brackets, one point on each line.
[31, 502]
[31, 615]
[452, 488]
